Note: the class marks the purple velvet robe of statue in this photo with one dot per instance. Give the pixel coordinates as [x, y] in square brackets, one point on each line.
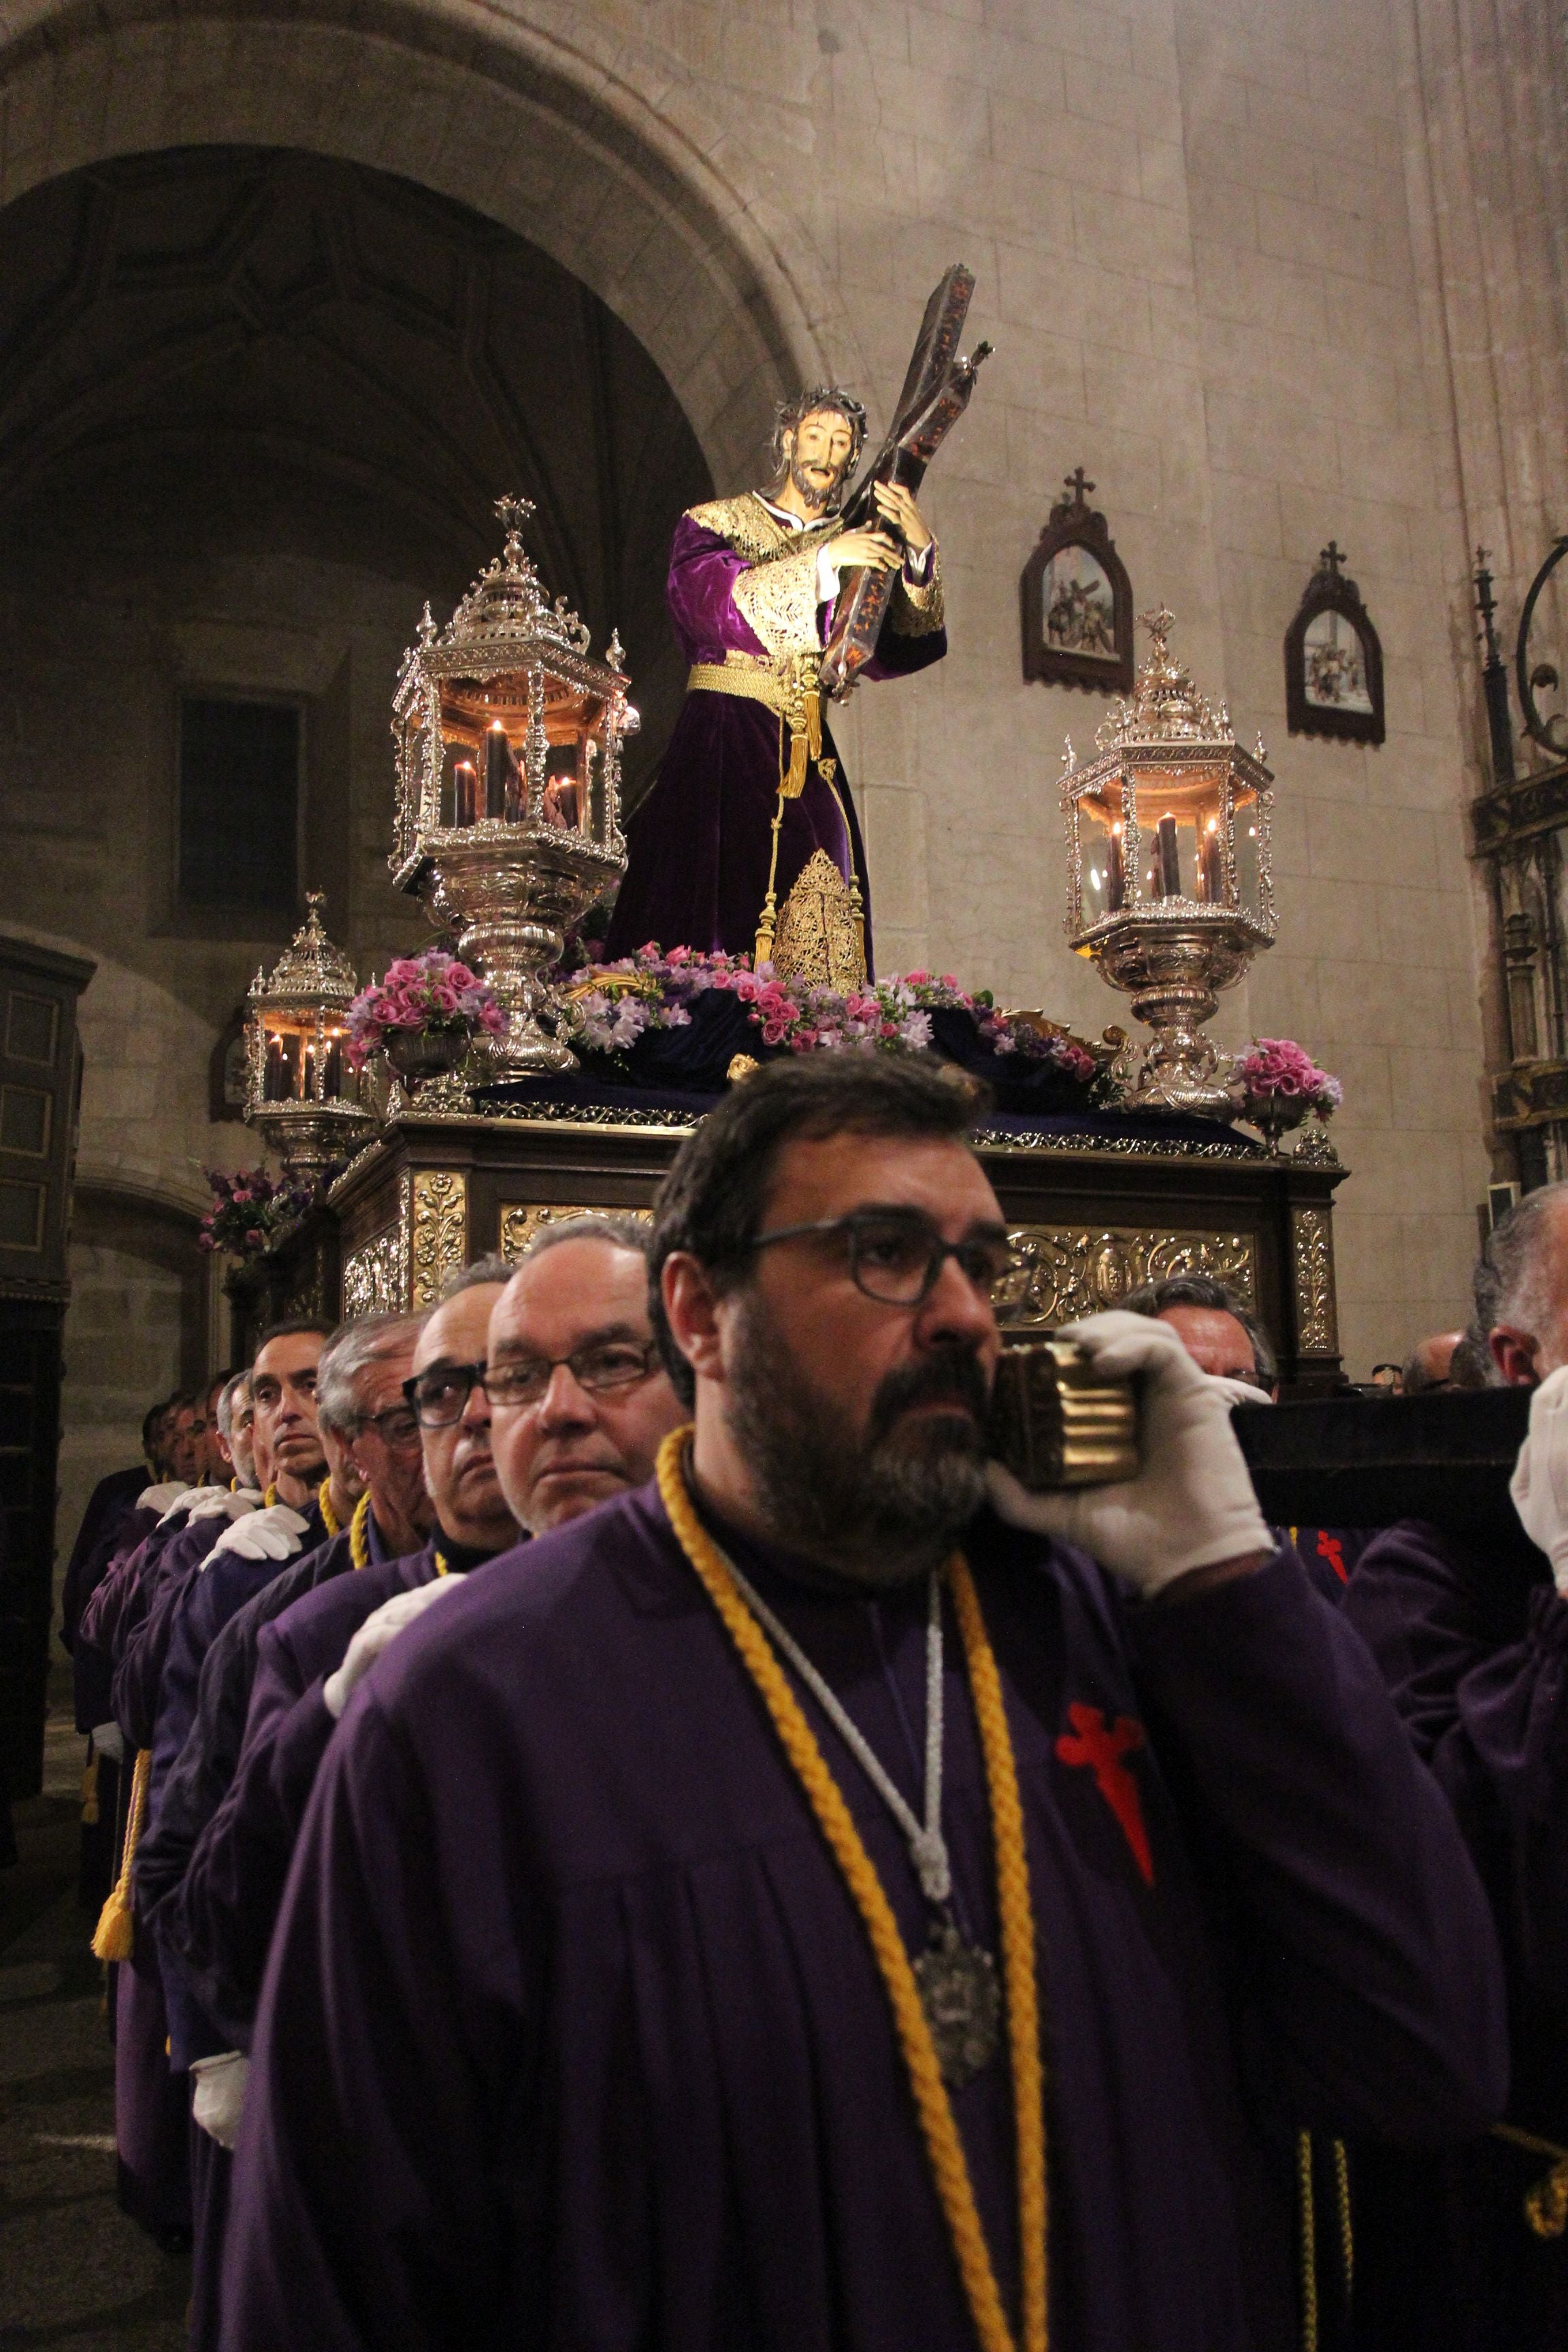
[1472, 1640]
[571, 2036]
[701, 842]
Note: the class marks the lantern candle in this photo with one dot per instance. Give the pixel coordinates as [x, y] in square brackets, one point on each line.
[1115, 876]
[1167, 859]
[465, 792]
[501, 774]
[272, 1087]
[1213, 865]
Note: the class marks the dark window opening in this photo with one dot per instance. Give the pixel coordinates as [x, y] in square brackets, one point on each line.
[239, 804]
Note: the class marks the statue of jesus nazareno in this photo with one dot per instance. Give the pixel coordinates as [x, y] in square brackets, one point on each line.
[750, 793]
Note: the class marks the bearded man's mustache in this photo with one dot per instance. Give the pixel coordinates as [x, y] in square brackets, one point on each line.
[950, 1375]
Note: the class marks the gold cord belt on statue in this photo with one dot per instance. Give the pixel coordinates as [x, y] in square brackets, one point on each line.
[789, 689]
[933, 2106]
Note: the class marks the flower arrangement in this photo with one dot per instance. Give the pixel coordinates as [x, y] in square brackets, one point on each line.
[428, 992]
[610, 1006]
[1276, 1084]
[249, 1211]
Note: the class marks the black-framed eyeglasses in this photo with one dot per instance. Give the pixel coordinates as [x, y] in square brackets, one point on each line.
[439, 1397]
[597, 1365]
[398, 1425]
[896, 1256]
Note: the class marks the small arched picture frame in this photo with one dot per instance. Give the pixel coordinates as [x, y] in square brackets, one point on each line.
[1333, 660]
[1077, 600]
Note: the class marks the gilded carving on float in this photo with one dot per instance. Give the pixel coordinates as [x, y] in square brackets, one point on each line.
[1066, 1271]
[1312, 1254]
[521, 1222]
[439, 1232]
[375, 1276]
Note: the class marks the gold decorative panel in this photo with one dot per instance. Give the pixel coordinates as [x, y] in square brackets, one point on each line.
[439, 1232]
[1312, 1259]
[375, 1276]
[519, 1221]
[1072, 1270]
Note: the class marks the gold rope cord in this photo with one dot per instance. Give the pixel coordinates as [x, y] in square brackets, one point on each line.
[115, 1935]
[324, 1505]
[943, 2144]
[1342, 2205]
[1308, 2244]
[359, 1532]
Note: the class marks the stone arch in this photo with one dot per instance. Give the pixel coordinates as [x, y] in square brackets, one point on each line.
[673, 230]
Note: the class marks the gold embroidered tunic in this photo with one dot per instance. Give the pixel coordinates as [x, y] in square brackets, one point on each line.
[750, 805]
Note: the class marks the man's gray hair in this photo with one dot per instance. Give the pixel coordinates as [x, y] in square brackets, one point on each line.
[621, 1231]
[1512, 1280]
[227, 1398]
[492, 1269]
[1203, 1290]
[348, 1355]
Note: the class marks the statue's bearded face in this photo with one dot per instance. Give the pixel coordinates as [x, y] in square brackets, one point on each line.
[817, 455]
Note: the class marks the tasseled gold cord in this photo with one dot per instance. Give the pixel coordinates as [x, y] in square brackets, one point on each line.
[115, 1936]
[932, 2104]
[1546, 2200]
[359, 1532]
[324, 1505]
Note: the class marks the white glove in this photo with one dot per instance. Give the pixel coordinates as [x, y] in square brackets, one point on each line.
[180, 1499]
[217, 2094]
[1236, 1391]
[380, 1628]
[224, 1502]
[272, 1534]
[1540, 1481]
[108, 1741]
[1192, 1503]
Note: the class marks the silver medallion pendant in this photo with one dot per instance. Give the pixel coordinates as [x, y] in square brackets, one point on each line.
[963, 2003]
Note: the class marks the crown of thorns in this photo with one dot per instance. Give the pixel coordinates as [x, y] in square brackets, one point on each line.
[790, 414]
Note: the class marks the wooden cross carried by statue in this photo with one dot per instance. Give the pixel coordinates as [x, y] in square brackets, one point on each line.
[936, 392]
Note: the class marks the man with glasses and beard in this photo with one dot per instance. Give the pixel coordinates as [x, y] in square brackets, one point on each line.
[691, 1913]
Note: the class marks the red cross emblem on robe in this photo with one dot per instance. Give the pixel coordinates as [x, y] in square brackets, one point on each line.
[1102, 1748]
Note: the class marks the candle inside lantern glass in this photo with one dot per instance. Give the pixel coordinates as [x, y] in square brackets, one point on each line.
[1211, 867]
[465, 792]
[272, 1087]
[1167, 859]
[501, 774]
[1115, 875]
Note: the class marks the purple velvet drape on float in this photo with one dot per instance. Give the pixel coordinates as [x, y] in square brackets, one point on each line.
[701, 840]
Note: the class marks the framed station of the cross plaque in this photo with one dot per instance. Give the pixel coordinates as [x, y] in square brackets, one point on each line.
[1333, 660]
[1077, 600]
